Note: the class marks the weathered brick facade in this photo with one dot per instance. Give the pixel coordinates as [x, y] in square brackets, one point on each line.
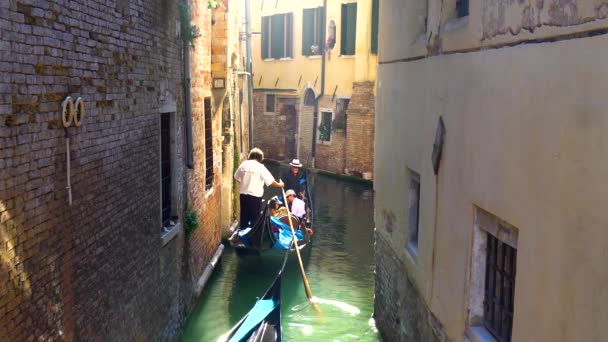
[271, 129]
[332, 157]
[360, 130]
[98, 270]
[400, 312]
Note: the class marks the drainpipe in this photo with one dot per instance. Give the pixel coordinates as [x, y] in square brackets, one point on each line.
[249, 70]
[322, 93]
[187, 96]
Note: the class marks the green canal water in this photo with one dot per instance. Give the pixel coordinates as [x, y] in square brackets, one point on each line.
[339, 266]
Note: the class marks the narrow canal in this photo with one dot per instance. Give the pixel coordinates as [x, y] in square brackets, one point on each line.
[339, 267]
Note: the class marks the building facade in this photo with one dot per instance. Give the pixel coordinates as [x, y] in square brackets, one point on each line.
[330, 128]
[92, 237]
[488, 176]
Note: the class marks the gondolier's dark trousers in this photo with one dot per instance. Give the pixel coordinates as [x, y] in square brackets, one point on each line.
[250, 210]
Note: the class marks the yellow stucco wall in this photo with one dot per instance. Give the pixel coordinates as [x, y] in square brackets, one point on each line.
[341, 71]
[525, 141]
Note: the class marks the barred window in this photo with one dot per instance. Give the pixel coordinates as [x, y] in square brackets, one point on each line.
[499, 288]
[208, 145]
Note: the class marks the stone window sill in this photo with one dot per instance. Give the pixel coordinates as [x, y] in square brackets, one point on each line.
[455, 24]
[347, 56]
[166, 237]
[270, 113]
[314, 57]
[479, 333]
[412, 251]
[209, 192]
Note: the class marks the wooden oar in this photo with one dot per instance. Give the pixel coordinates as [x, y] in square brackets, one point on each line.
[295, 244]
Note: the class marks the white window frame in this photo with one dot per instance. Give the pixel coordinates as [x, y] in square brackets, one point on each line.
[333, 115]
[266, 102]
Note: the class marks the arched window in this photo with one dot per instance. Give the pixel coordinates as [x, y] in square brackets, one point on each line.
[331, 35]
[309, 97]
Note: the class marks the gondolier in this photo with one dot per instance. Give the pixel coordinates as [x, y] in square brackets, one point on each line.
[252, 175]
[292, 178]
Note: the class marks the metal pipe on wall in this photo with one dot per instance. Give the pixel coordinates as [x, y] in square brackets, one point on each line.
[249, 70]
[188, 97]
[322, 93]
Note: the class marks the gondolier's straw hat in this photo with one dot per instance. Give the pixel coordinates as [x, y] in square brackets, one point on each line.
[296, 163]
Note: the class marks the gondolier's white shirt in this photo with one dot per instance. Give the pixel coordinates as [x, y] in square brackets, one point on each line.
[253, 175]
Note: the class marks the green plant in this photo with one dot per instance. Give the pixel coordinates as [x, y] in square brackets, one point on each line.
[324, 132]
[339, 122]
[212, 4]
[191, 222]
[189, 32]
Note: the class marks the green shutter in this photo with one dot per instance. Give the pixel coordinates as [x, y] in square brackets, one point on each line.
[289, 34]
[320, 29]
[375, 13]
[343, 29]
[308, 19]
[265, 33]
[351, 28]
[277, 36]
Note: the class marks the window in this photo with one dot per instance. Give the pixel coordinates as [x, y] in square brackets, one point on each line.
[493, 276]
[462, 8]
[208, 145]
[309, 97]
[312, 31]
[325, 127]
[375, 13]
[499, 288]
[165, 167]
[413, 213]
[277, 36]
[349, 29]
[341, 116]
[270, 103]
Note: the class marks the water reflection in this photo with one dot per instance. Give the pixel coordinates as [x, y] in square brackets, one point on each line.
[339, 267]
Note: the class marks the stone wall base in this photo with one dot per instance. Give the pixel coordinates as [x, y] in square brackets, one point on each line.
[400, 312]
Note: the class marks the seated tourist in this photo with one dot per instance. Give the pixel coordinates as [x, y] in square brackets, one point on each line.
[296, 205]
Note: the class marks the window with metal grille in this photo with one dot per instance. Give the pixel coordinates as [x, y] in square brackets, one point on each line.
[462, 8]
[349, 29]
[499, 288]
[270, 103]
[208, 145]
[309, 97]
[413, 213]
[165, 166]
[277, 36]
[312, 31]
[325, 127]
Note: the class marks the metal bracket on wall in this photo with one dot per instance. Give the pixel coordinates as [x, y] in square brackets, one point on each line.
[316, 79]
[276, 4]
[276, 82]
[300, 80]
[260, 81]
[262, 7]
[333, 96]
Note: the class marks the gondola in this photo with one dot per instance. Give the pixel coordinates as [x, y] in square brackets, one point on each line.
[263, 322]
[272, 234]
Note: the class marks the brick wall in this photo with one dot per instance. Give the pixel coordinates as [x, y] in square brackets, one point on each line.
[399, 311]
[331, 157]
[360, 129]
[94, 270]
[205, 241]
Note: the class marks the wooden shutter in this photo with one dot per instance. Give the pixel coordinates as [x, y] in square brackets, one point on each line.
[351, 28]
[277, 36]
[265, 36]
[375, 13]
[289, 35]
[320, 29]
[343, 28]
[308, 19]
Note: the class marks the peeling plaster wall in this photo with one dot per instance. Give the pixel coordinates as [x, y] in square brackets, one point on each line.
[525, 141]
[511, 17]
